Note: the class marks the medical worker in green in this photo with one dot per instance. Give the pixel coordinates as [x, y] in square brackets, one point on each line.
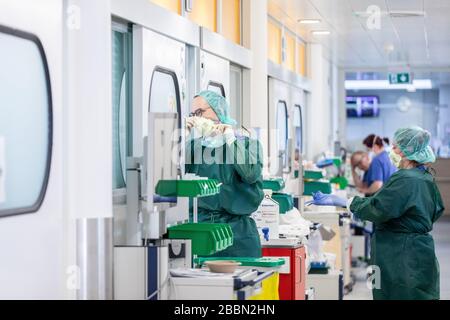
[403, 212]
[235, 161]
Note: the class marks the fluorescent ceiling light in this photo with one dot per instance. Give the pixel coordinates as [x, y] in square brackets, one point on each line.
[419, 84]
[309, 21]
[411, 88]
[321, 32]
[391, 13]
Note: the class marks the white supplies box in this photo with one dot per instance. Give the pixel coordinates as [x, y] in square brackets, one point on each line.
[268, 216]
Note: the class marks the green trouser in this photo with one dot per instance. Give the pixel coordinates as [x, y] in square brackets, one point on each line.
[246, 242]
[408, 266]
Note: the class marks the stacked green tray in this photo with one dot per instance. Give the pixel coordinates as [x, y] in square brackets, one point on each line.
[337, 162]
[187, 188]
[274, 184]
[313, 186]
[207, 238]
[341, 181]
[285, 201]
[265, 262]
[312, 175]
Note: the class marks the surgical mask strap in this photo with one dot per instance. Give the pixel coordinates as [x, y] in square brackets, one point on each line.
[373, 143]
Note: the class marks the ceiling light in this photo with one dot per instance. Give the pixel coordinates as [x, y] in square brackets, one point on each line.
[321, 32]
[391, 13]
[411, 88]
[406, 14]
[309, 21]
[388, 47]
[420, 84]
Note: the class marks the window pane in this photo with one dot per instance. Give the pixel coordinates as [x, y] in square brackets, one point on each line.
[282, 129]
[163, 96]
[123, 126]
[119, 98]
[165, 107]
[25, 124]
[298, 128]
[217, 88]
[236, 94]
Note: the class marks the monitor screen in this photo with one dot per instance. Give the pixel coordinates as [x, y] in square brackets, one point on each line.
[363, 106]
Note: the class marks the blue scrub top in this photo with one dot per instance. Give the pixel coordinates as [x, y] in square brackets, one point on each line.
[381, 169]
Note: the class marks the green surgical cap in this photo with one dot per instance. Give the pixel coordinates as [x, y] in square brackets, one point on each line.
[414, 143]
[219, 105]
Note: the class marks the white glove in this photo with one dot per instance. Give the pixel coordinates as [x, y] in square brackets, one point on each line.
[203, 126]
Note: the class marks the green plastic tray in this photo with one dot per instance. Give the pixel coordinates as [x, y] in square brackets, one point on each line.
[207, 238]
[318, 271]
[337, 162]
[265, 262]
[228, 233]
[313, 186]
[312, 175]
[274, 184]
[285, 201]
[341, 181]
[187, 188]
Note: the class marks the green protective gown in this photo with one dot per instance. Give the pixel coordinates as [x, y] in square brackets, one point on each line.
[403, 212]
[240, 195]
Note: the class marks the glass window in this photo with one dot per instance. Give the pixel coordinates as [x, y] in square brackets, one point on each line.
[165, 107]
[298, 125]
[25, 122]
[217, 88]
[164, 92]
[282, 130]
[121, 103]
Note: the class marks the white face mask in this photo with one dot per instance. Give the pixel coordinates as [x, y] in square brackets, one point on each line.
[395, 158]
[372, 153]
[359, 172]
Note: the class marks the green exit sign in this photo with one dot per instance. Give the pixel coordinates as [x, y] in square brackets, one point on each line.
[400, 78]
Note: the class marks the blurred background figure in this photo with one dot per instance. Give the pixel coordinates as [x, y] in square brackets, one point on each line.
[375, 163]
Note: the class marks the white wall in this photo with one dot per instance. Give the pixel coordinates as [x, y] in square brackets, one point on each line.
[421, 113]
[88, 144]
[255, 113]
[89, 114]
[443, 125]
[319, 115]
[340, 105]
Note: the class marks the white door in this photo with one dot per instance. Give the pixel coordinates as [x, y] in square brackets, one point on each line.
[31, 208]
[279, 129]
[160, 69]
[215, 74]
[236, 93]
[298, 138]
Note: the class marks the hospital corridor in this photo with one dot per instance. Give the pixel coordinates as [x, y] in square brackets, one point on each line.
[225, 157]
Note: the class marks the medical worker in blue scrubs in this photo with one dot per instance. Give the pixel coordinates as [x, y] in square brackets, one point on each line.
[376, 164]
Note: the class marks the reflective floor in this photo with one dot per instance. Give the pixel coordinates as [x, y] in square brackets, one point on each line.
[441, 234]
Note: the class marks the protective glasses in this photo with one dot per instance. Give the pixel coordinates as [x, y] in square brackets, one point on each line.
[198, 113]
